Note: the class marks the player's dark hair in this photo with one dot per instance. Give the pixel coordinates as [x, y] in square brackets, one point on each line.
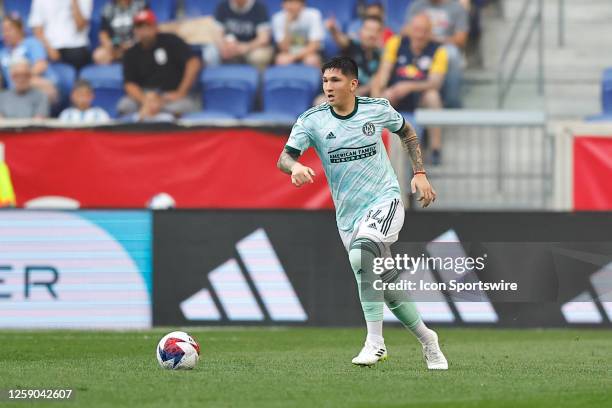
[346, 65]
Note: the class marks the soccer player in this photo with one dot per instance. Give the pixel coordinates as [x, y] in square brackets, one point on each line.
[346, 133]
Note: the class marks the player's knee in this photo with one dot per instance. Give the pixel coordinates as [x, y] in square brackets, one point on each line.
[361, 249]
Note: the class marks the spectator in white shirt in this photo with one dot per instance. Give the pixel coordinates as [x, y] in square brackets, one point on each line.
[298, 32]
[63, 27]
[81, 111]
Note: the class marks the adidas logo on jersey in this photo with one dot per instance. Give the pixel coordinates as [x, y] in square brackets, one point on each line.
[330, 135]
[372, 225]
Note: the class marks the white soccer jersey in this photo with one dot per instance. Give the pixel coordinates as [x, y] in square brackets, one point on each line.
[350, 147]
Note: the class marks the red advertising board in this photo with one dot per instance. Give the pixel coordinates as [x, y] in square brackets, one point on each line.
[592, 161]
[201, 168]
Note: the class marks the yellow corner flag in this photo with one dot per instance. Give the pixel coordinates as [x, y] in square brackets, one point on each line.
[7, 194]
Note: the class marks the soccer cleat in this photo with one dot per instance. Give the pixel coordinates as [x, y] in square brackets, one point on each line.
[370, 354]
[433, 355]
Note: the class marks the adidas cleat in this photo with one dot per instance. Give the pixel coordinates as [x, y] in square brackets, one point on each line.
[433, 355]
[370, 354]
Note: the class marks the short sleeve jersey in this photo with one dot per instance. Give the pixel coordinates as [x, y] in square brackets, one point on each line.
[160, 67]
[353, 154]
[244, 25]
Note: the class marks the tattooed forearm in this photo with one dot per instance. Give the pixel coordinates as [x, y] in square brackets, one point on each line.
[410, 141]
[286, 161]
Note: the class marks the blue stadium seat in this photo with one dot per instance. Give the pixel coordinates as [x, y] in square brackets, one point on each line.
[606, 92]
[599, 118]
[342, 10]
[165, 10]
[20, 6]
[273, 6]
[290, 89]
[229, 88]
[66, 75]
[107, 82]
[207, 115]
[271, 117]
[195, 8]
[395, 11]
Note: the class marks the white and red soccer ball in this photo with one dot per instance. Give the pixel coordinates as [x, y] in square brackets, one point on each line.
[178, 351]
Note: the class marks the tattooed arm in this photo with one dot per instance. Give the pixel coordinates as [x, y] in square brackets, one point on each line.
[287, 163]
[419, 182]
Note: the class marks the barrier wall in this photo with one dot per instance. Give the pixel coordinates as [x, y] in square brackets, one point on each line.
[133, 269]
[82, 269]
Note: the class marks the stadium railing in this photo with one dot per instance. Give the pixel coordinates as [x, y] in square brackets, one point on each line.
[491, 160]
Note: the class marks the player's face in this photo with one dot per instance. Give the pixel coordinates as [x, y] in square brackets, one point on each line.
[338, 88]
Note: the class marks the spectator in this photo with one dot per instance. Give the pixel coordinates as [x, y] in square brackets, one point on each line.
[246, 34]
[158, 61]
[298, 31]
[151, 109]
[62, 26]
[116, 31]
[81, 111]
[376, 10]
[450, 27]
[17, 46]
[365, 51]
[414, 66]
[23, 101]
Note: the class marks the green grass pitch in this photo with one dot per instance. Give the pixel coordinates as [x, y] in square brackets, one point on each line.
[302, 367]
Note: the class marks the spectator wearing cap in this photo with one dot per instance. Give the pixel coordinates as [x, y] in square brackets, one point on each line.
[298, 31]
[450, 26]
[63, 26]
[246, 34]
[158, 61]
[18, 46]
[116, 32]
[23, 101]
[81, 111]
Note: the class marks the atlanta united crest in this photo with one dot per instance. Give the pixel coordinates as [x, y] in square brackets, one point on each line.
[368, 129]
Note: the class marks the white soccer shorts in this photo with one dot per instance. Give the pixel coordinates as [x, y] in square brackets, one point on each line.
[381, 223]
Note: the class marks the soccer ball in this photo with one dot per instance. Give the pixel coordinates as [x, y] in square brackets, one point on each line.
[178, 351]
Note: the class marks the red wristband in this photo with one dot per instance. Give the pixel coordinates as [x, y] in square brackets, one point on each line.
[420, 172]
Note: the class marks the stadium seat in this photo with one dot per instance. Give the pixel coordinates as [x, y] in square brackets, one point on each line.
[107, 82]
[165, 10]
[271, 117]
[66, 76]
[207, 115]
[290, 89]
[273, 6]
[606, 92]
[194, 8]
[599, 118]
[396, 13]
[22, 7]
[229, 88]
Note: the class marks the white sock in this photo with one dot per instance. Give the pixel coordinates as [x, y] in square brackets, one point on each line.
[375, 332]
[422, 332]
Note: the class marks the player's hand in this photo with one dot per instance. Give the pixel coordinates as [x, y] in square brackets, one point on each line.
[301, 175]
[421, 184]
